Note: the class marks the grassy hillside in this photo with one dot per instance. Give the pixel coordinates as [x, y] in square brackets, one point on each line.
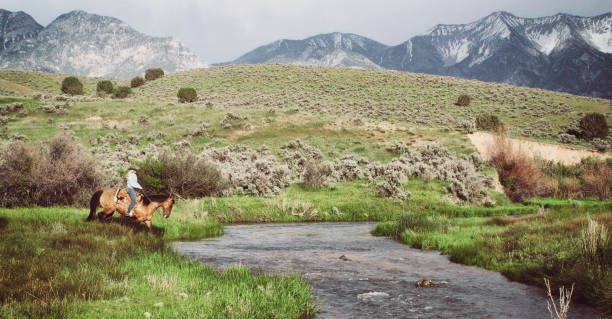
[353, 110]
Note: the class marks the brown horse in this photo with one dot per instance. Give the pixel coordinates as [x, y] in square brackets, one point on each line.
[112, 200]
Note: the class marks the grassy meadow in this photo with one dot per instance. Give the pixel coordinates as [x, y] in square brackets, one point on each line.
[54, 265]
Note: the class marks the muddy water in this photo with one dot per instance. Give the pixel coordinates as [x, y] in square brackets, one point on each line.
[375, 278]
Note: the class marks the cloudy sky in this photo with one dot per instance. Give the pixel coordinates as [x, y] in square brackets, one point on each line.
[222, 30]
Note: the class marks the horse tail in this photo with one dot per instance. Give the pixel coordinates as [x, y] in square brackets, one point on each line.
[93, 205]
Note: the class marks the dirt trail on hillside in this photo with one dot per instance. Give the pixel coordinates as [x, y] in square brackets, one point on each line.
[569, 156]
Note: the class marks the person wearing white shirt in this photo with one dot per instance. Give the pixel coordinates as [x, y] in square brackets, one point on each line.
[132, 186]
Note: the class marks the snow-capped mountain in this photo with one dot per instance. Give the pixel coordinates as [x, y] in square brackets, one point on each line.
[87, 44]
[334, 49]
[16, 26]
[562, 52]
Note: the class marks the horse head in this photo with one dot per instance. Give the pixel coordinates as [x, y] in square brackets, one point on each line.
[167, 205]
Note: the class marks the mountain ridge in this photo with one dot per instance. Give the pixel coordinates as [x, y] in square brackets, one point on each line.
[81, 43]
[540, 52]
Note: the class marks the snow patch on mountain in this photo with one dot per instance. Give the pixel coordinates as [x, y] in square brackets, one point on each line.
[545, 42]
[599, 34]
[455, 52]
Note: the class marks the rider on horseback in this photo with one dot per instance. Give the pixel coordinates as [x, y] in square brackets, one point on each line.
[132, 185]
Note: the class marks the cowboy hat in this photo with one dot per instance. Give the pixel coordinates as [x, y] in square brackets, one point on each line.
[133, 168]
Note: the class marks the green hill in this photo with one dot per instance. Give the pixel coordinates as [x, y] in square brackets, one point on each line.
[353, 109]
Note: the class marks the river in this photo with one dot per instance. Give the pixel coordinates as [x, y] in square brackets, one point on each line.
[356, 275]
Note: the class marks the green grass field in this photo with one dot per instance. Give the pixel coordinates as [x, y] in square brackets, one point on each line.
[55, 265]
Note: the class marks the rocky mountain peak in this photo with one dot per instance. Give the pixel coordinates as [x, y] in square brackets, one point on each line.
[15, 27]
[82, 43]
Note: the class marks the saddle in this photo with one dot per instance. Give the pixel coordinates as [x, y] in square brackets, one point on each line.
[122, 194]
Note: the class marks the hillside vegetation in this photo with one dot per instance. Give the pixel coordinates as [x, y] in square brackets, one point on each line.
[336, 98]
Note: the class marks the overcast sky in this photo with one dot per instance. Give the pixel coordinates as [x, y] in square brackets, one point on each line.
[222, 30]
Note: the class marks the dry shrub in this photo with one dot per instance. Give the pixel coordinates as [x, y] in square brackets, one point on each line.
[598, 180]
[61, 172]
[565, 297]
[518, 172]
[317, 174]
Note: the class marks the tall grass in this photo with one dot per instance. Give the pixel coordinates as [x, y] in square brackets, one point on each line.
[55, 266]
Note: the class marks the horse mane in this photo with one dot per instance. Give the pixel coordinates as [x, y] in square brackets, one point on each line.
[153, 198]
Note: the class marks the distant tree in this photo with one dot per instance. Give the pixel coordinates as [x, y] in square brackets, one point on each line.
[105, 86]
[71, 85]
[153, 74]
[137, 81]
[186, 94]
[488, 122]
[463, 100]
[122, 92]
[594, 125]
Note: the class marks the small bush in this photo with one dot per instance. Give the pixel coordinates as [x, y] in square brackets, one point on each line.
[390, 190]
[71, 85]
[463, 100]
[317, 173]
[488, 122]
[122, 92]
[594, 125]
[153, 74]
[182, 174]
[105, 86]
[136, 82]
[186, 94]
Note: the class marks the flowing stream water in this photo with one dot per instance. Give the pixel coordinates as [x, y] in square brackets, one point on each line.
[376, 277]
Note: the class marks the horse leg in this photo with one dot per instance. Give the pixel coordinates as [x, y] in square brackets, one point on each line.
[106, 215]
[148, 223]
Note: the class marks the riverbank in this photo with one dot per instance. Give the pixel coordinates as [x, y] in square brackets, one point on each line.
[54, 265]
[526, 249]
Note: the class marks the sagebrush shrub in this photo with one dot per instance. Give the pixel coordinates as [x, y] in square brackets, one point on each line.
[317, 173]
[463, 100]
[181, 173]
[435, 162]
[71, 85]
[248, 171]
[187, 95]
[60, 172]
[391, 190]
[594, 125]
[153, 74]
[105, 86]
[122, 92]
[137, 81]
